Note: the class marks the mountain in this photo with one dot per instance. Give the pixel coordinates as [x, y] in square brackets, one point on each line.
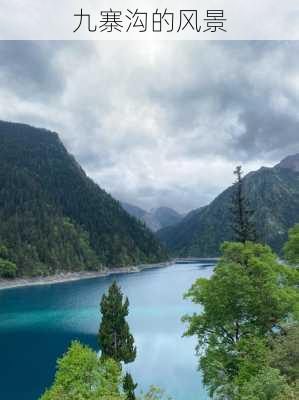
[54, 218]
[272, 192]
[290, 162]
[135, 211]
[166, 216]
[156, 218]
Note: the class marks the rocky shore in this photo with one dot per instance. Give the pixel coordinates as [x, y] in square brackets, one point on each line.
[75, 276]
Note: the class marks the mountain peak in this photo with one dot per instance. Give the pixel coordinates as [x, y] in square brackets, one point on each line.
[290, 162]
[156, 218]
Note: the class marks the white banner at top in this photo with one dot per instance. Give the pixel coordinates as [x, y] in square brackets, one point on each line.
[149, 20]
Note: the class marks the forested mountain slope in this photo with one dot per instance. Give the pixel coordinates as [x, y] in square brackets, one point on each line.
[273, 193]
[53, 217]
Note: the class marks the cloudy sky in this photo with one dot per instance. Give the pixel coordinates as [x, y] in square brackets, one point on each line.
[158, 123]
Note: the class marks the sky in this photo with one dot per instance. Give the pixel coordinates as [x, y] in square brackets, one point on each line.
[158, 123]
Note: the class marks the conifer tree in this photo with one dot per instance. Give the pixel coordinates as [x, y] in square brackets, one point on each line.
[114, 337]
[242, 226]
[129, 387]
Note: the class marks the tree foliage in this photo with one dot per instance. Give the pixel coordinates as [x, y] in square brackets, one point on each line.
[129, 387]
[267, 384]
[291, 248]
[81, 375]
[114, 337]
[8, 269]
[285, 353]
[250, 296]
[242, 225]
[155, 393]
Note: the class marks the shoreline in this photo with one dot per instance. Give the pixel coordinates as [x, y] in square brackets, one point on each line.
[77, 276]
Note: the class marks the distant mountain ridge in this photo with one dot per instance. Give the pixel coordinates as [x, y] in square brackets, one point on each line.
[272, 192]
[54, 218]
[156, 218]
[290, 162]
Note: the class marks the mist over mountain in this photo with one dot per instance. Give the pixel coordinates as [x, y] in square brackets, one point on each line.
[273, 193]
[156, 218]
[54, 218]
[290, 162]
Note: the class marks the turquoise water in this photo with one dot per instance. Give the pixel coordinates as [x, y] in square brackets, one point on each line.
[38, 323]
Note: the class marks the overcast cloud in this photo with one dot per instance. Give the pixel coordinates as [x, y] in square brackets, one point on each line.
[158, 123]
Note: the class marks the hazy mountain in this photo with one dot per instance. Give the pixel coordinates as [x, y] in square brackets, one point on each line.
[53, 217]
[155, 219]
[272, 192]
[290, 162]
[135, 211]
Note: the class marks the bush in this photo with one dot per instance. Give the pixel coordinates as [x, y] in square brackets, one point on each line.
[285, 354]
[155, 393]
[8, 269]
[267, 385]
[291, 248]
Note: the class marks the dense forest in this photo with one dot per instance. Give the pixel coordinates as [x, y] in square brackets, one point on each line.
[54, 218]
[272, 192]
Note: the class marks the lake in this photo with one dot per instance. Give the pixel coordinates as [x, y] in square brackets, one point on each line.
[38, 323]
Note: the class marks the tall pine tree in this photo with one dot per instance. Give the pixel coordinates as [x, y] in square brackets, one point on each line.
[129, 387]
[242, 225]
[114, 337]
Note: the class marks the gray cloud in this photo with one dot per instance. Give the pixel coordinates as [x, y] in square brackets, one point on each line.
[158, 123]
[28, 69]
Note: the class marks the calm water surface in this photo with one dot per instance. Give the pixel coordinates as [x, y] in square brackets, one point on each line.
[38, 323]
